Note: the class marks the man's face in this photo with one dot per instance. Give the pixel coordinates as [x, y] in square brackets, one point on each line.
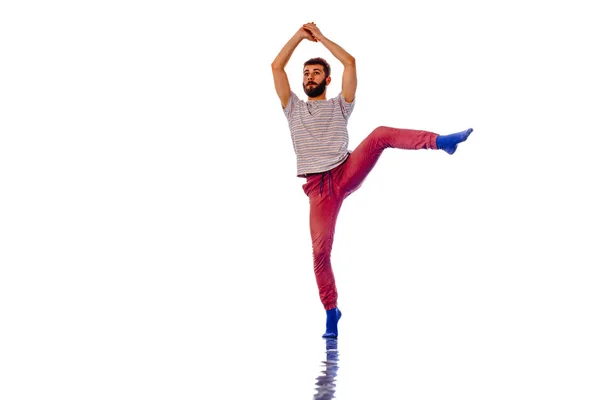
[314, 81]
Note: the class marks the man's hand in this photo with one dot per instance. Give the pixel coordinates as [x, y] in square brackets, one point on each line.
[306, 33]
[315, 32]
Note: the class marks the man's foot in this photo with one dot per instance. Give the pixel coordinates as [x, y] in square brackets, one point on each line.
[333, 316]
[448, 143]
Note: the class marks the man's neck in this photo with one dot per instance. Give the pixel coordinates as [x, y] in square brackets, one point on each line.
[321, 97]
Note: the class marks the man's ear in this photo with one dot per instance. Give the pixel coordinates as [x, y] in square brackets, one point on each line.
[328, 81]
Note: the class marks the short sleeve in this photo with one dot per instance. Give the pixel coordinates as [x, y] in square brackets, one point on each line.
[291, 105]
[347, 108]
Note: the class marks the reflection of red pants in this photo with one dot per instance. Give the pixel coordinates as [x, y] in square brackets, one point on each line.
[327, 190]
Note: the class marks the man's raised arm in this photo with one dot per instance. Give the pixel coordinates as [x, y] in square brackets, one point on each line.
[282, 84]
[349, 80]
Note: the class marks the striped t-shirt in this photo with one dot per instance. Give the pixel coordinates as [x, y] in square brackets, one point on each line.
[319, 132]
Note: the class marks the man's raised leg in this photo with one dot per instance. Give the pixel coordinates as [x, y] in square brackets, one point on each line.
[365, 156]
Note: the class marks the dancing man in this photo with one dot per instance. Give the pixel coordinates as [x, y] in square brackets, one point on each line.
[319, 134]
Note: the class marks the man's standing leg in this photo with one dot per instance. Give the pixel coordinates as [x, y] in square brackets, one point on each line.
[325, 204]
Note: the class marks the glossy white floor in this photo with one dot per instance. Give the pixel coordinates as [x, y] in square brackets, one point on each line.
[422, 332]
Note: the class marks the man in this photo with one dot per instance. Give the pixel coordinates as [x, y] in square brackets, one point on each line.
[320, 138]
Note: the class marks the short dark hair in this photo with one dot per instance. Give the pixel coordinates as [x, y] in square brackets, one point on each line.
[320, 61]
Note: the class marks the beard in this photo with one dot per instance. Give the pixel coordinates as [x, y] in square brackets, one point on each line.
[315, 91]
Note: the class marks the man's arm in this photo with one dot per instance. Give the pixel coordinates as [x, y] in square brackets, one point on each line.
[282, 84]
[349, 79]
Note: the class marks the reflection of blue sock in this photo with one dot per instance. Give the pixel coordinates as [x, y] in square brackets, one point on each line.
[333, 316]
[448, 143]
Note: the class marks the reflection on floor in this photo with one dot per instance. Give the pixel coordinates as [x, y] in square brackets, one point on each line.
[326, 381]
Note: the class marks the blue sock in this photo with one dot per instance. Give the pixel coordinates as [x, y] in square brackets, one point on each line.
[333, 316]
[448, 143]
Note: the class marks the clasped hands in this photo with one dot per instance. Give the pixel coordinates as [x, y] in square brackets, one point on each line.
[311, 32]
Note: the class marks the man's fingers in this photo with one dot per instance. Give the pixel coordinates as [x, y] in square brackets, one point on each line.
[312, 28]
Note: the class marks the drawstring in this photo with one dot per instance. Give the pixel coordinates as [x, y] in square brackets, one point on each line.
[322, 182]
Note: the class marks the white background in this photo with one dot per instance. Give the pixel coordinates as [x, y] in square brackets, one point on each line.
[154, 239]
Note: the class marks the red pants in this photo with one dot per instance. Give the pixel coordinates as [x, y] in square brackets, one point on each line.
[327, 190]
